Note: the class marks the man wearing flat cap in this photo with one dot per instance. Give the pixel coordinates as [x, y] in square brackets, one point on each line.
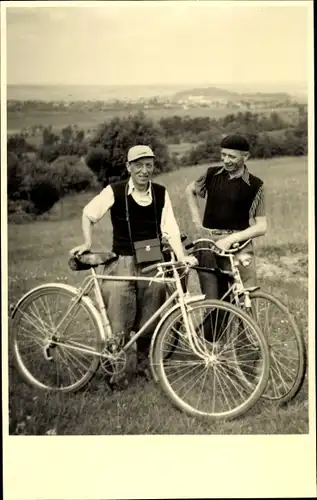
[141, 211]
[234, 212]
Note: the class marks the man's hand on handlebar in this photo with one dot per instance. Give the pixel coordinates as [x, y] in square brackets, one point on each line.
[190, 259]
[79, 250]
[225, 243]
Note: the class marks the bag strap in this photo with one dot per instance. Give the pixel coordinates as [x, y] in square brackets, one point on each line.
[128, 216]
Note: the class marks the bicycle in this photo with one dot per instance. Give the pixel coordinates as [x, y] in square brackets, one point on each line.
[288, 364]
[73, 339]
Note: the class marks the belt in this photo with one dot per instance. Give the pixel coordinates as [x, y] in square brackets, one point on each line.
[221, 231]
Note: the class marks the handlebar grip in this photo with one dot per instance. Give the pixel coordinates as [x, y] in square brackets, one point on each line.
[212, 246]
[189, 245]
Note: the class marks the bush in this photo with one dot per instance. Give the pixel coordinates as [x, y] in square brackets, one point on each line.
[116, 137]
[18, 145]
[49, 153]
[37, 186]
[72, 175]
[289, 142]
[208, 151]
[13, 176]
[43, 194]
[96, 160]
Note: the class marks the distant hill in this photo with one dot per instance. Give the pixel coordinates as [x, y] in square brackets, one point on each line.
[214, 93]
[174, 92]
[260, 96]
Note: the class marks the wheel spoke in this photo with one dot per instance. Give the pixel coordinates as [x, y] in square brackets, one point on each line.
[287, 348]
[45, 361]
[211, 385]
[30, 320]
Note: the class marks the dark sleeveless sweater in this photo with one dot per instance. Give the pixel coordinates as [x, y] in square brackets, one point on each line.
[142, 219]
[228, 200]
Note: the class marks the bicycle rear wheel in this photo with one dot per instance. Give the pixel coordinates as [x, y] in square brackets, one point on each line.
[49, 359]
[286, 346]
[206, 381]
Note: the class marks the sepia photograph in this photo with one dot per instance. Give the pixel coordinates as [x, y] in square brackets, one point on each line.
[158, 207]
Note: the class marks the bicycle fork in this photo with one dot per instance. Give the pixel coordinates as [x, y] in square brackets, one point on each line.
[189, 327]
[196, 344]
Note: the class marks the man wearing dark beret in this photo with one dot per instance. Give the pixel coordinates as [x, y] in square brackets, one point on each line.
[234, 212]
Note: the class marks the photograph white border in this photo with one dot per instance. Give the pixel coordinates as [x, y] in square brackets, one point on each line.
[126, 467]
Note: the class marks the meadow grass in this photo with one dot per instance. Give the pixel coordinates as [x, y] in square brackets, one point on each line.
[38, 253]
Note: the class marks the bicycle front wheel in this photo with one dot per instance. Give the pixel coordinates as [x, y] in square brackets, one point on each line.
[50, 358]
[286, 346]
[203, 377]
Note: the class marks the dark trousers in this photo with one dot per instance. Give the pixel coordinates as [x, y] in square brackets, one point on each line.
[214, 286]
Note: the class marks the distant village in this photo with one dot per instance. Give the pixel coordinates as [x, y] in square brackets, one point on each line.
[184, 102]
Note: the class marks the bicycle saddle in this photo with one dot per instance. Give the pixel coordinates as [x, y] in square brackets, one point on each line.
[90, 259]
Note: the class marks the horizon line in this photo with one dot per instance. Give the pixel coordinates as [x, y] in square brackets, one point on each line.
[302, 83]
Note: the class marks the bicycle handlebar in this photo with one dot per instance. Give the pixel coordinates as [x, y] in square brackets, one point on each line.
[152, 267]
[213, 246]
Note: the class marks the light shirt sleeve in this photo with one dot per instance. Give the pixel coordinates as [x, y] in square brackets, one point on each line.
[169, 226]
[97, 208]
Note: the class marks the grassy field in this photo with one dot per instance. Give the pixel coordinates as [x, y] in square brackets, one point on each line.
[38, 253]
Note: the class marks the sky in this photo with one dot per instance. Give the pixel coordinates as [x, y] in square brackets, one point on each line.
[158, 42]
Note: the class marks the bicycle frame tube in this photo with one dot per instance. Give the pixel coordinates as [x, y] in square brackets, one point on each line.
[237, 288]
[75, 301]
[101, 305]
[151, 320]
[93, 281]
[177, 294]
[184, 312]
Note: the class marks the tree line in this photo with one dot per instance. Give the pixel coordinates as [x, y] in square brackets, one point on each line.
[71, 161]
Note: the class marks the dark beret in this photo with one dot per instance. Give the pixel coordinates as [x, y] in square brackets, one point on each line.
[235, 141]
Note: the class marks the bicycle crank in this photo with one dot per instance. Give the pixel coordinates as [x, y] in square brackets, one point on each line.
[113, 363]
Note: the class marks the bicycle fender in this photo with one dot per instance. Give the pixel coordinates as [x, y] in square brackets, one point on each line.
[188, 300]
[69, 288]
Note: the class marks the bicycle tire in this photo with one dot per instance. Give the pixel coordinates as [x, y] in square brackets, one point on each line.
[275, 366]
[161, 363]
[39, 298]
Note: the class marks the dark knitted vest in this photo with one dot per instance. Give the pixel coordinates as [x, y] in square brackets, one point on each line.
[142, 219]
[228, 200]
